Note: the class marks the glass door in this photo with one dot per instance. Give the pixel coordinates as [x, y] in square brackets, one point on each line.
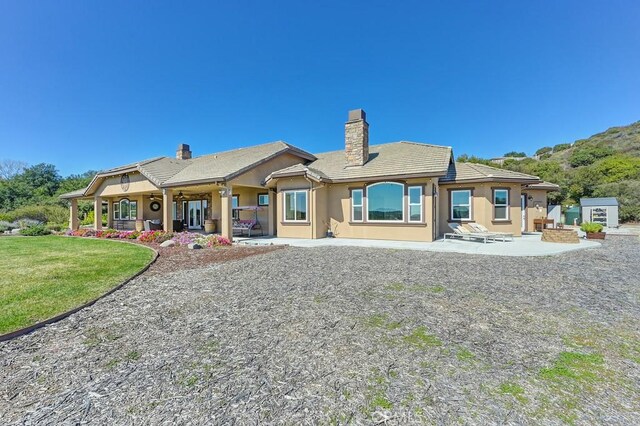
[195, 214]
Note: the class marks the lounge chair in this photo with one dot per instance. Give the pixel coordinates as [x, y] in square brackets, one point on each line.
[463, 233]
[476, 227]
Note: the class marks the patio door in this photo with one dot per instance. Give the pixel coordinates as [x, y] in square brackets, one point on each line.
[195, 214]
[523, 209]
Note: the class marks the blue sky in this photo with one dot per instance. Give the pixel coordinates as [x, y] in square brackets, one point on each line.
[90, 85]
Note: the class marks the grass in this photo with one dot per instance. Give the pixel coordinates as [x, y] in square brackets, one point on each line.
[513, 389]
[577, 366]
[419, 338]
[41, 277]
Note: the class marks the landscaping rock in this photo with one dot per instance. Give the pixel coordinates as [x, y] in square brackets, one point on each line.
[15, 231]
[194, 246]
[168, 243]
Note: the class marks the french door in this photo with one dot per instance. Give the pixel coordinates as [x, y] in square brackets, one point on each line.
[195, 214]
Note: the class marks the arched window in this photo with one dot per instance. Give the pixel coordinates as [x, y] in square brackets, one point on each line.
[125, 210]
[385, 202]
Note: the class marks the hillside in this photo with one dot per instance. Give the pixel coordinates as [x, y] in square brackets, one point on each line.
[606, 164]
[622, 140]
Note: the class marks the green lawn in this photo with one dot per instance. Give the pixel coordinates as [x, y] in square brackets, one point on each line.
[41, 277]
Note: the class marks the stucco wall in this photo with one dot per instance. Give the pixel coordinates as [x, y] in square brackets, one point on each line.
[536, 207]
[332, 204]
[258, 174]
[137, 184]
[482, 206]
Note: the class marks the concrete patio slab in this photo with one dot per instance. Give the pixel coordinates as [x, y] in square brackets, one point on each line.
[527, 245]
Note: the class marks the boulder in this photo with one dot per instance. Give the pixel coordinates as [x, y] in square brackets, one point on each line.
[194, 246]
[168, 243]
[15, 231]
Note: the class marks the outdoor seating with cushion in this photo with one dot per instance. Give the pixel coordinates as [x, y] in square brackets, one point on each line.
[244, 226]
[476, 227]
[463, 233]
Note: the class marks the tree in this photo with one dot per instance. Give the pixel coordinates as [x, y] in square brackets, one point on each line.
[561, 147]
[515, 154]
[544, 150]
[10, 168]
[588, 154]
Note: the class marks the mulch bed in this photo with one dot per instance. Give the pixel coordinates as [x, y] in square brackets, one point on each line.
[177, 258]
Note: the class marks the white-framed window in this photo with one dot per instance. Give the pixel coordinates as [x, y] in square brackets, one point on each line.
[385, 202]
[501, 204]
[125, 210]
[415, 203]
[461, 204]
[263, 199]
[295, 206]
[174, 210]
[357, 198]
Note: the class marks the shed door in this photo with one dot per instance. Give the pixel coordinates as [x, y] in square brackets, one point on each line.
[599, 215]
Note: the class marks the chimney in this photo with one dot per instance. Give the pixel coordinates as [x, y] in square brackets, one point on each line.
[183, 152]
[356, 138]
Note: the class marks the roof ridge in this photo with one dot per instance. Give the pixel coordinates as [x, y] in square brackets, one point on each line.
[424, 144]
[241, 148]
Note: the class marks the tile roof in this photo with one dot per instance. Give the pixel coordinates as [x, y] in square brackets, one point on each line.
[465, 172]
[227, 164]
[387, 160]
[543, 185]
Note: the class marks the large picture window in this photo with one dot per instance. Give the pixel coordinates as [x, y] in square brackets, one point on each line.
[415, 204]
[125, 210]
[356, 205]
[501, 204]
[461, 205]
[385, 202]
[295, 206]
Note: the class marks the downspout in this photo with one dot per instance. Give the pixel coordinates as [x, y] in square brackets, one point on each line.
[312, 213]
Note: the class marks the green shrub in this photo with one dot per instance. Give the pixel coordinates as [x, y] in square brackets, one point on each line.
[35, 230]
[629, 214]
[590, 227]
[561, 147]
[57, 227]
[544, 150]
[41, 213]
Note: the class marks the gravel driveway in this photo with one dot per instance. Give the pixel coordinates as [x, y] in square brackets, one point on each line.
[346, 335]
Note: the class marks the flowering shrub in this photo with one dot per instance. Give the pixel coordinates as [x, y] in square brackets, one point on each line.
[154, 236]
[180, 238]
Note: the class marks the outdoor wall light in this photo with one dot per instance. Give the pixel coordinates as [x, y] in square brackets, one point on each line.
[530, 198]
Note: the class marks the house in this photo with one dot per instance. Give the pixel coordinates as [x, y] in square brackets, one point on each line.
[600, 210]
[396, 191]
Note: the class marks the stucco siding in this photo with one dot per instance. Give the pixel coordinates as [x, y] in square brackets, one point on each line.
[482, 209]
[137, 184]
[256, 176]
[536, 206]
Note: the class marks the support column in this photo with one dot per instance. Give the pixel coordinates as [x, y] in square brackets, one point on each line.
[167, 205]
[97, 213]
[271, 213]
[140, 201]
[109, 213]
[73, 215]
[226, 219]
[215, 209]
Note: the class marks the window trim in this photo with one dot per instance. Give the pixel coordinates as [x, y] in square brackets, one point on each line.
[117, 209]
[295, 203]
[421, 203]
[494, 205]
[262, 194]
[235, 214]
[361, 205]
[174, 210]
[404, 193]
[451, 191]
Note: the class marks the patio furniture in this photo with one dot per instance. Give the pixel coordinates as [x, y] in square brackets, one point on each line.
[476, 227]
[151, 225]
[540, 224]
[245, 226]
[465, 234]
